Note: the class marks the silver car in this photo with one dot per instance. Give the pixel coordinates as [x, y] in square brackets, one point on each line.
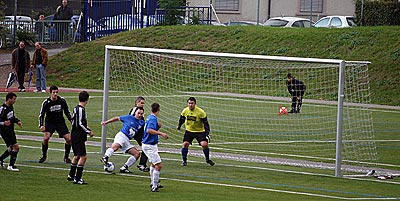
[288, 22]
[336, 21]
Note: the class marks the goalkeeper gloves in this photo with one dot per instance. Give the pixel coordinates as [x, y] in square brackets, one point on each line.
[208, 138]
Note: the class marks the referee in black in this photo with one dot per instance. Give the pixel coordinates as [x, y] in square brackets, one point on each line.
[7, 121]
[51, 119]
[296, 88]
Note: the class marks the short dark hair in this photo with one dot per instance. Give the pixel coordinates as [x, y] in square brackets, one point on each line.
[83, 96]
[136, 109]
[191, 99]
[52, 88]
[289, 75]
[155, 107]
[10, 95]
[138, 99]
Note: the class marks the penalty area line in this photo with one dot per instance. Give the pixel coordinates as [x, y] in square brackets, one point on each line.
[219, 184]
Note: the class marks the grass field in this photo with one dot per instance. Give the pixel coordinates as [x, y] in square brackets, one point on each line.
[227, 180]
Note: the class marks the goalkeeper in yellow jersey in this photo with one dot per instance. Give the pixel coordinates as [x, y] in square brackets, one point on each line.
[197, 126]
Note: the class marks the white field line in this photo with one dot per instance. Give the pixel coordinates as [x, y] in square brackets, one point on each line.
[221, 184]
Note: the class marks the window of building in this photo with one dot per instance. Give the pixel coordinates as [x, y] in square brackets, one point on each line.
[317, 6]
[227, 5]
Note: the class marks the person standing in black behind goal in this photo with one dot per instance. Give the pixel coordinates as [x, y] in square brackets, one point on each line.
[296, 88]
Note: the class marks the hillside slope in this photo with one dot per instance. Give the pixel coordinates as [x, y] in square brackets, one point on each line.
[82, 64]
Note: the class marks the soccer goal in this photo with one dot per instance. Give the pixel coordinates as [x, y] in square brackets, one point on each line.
[242, 96]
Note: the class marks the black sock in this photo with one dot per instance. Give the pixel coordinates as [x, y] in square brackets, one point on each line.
[143, 159]
[67, 150]
[13, 157]
[79, 172]
[72, 171]
[45, 147]
[4, 155]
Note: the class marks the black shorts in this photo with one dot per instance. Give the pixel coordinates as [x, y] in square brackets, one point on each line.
[189, 136]
[61, 129]
[79, 148]
[9, 137]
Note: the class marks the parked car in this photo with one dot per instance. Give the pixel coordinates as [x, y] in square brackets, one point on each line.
[336, 21]
[240, 23]
[288, 22]
[22, 22]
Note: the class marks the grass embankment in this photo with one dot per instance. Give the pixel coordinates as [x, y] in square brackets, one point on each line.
[82, 65]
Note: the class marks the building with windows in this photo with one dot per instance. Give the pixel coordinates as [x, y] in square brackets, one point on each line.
[261, 10]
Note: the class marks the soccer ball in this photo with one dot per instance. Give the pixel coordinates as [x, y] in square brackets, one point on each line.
[109, 167]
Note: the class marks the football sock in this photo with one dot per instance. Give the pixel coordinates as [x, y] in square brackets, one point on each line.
[156, 177]
[207, 153]
[109, 152]
[13, 157]
[4, 155]
[131, 160]
[184, 153]
[67, 150]
[45, 147]
[143, 159]
[79, 171]
[151, 171]
[72, 171]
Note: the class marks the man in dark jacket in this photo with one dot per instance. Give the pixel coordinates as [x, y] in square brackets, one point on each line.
[63, 16]
[296, 89]
[20, 61]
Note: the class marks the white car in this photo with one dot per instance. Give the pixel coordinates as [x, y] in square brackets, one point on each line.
[240, 23]
[336, 21]
[288, 22]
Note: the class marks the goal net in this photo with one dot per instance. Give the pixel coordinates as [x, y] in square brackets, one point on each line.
[242, 96]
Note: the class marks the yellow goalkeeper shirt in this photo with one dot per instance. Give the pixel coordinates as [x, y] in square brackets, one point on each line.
[193, 117]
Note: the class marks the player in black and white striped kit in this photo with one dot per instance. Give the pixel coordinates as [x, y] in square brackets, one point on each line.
[80, 131]
[51, 119]
[7, 121]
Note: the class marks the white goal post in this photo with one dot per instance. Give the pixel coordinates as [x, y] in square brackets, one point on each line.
[241, 95]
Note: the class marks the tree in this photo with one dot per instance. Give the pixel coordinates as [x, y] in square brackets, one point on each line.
[173, 14]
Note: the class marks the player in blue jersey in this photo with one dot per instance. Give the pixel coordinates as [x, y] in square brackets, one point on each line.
[131, 126]
[149, 146]
[140, 102]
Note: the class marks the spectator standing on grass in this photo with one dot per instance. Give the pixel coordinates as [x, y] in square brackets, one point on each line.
[20, 61]
[51, 119]
[296, 88]
[63, 16]
[132, 126]
[150, 148]
[7, 121]
[40, 60]
[197, 126]
[79, 133]
[140, 102]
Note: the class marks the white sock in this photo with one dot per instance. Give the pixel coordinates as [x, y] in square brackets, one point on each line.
[151, 174]
[109, 152]
[156, 177]
[131, 160]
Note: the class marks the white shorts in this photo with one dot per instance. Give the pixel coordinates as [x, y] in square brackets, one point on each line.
[151, 152]
[122, 140]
